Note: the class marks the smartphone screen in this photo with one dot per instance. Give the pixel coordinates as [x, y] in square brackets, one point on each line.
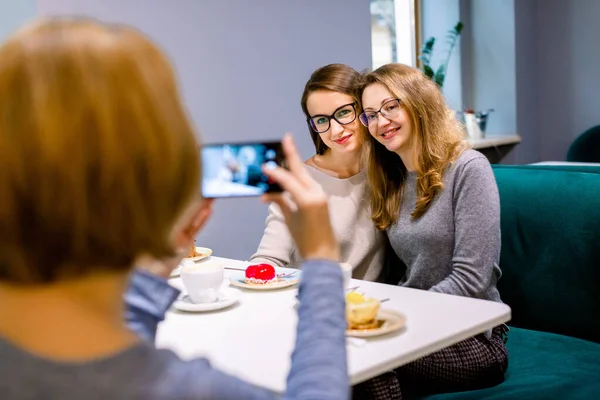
[235, 170]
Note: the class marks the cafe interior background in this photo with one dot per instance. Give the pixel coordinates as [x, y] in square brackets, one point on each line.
[242, 65]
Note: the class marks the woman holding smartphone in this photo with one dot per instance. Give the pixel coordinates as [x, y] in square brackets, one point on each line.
[331, 108]
[99, 171]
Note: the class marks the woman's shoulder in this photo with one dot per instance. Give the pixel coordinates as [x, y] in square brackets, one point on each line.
[469, 160]
[469, 155]
[471, 168]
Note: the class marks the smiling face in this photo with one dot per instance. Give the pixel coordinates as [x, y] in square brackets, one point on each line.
[341, 137]
[393, 131]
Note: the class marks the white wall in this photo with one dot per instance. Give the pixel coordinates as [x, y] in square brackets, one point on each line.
[493, 79]
[534, 61]
[481, 74]
[527, 69]
[568, 72]
[13, 14]
[243, 65]
[438, 17]
[558, 89]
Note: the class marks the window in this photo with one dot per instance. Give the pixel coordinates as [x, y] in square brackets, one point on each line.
[393, 32]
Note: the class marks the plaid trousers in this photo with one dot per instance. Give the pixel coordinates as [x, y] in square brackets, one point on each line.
[474, 363]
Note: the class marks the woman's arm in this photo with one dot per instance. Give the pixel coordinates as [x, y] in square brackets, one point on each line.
[318, 369]
[146, 301]
[276, 245]
[476, 231]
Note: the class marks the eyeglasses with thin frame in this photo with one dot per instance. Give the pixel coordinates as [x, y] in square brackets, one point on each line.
[343, 115]
[390, 109]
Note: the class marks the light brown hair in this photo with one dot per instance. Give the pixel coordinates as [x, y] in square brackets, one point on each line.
[97, 156]
[437, 139]
[339, 78]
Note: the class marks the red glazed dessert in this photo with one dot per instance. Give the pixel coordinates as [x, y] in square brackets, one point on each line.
[260, 274]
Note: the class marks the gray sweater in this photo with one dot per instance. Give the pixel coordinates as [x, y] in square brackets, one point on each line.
[362, 245]
[454, 247]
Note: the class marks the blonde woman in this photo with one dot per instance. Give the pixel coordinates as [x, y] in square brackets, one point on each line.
[438, 202]
[99, 171]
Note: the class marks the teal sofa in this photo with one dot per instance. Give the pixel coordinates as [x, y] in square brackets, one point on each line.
[550, 259]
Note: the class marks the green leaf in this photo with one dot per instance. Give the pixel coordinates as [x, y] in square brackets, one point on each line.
[428, 48]
[427, 51]
[440, 75]
[458, 28]
[428, 71]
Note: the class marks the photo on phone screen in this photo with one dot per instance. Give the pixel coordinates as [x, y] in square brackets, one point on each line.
[235, 170]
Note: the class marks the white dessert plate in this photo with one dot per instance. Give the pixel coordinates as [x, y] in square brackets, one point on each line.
[389, 321]
[283, 280]
[203, 252]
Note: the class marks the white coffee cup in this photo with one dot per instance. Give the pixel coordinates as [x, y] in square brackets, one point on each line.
[202, 281]
[347, 273]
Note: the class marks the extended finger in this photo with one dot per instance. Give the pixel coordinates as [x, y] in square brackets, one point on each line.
[295, 163]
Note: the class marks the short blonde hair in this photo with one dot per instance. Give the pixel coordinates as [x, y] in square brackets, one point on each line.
[98, 158]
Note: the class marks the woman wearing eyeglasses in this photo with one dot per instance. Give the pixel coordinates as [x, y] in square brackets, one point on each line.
[331, 108]
[438, 202]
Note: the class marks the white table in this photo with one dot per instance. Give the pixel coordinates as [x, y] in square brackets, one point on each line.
[254, 340]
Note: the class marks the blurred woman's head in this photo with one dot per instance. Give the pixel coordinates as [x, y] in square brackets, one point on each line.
[331, 107]
[98, 159]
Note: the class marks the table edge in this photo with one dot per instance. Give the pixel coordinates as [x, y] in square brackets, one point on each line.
[405, 359]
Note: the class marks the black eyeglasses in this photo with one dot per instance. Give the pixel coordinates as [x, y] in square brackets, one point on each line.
[389, 109]
[343, 115]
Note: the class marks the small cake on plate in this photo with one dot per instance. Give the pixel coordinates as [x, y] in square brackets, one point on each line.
[361, 311]
[260, 274]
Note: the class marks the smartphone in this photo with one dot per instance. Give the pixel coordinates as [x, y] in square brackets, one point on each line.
[235, 169]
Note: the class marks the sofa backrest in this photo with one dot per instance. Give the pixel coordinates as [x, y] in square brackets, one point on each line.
[550, 256]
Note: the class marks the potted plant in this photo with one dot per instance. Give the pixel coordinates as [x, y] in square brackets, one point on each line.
[439, 75]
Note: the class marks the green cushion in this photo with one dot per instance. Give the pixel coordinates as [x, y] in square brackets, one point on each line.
[593, 169]
[550, 254]
[543, 366]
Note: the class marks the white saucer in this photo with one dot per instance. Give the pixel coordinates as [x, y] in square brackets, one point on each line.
[204, 252]
[227, 297]
[283, 280]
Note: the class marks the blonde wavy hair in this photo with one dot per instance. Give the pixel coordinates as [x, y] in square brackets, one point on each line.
[98, 157]
[437, 140]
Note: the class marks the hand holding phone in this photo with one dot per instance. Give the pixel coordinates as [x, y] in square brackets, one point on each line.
[235, 170]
